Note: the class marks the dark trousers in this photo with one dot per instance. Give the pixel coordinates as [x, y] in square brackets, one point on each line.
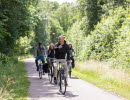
[73, 62]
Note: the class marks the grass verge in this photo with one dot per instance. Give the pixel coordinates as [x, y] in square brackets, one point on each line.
[99, 74]
[13, 82]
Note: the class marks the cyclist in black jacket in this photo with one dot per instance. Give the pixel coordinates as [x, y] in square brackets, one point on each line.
[51, 51]
[61, 51]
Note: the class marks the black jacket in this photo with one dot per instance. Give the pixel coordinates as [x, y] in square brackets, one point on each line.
[51, 53]
[62, 52]
[72, 52]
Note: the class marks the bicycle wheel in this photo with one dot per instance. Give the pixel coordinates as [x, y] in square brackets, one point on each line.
[40, 71]
[62, 83]
[50, 75]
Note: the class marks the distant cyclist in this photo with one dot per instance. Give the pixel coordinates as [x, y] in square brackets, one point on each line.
[40, 53]
[61, 50]
[72, 54]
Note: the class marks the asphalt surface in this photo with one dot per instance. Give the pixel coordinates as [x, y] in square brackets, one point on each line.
[41, 89]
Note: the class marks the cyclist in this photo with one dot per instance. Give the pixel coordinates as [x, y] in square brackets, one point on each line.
[72, 54]
[40, 53]
[61, 50]
[51, 51]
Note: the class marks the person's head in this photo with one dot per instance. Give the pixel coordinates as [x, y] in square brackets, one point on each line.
[51, 46]
[61, 39]
[70, 45]
[40, 45]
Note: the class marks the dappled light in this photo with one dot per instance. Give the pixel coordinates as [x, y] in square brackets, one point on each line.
[99, 34]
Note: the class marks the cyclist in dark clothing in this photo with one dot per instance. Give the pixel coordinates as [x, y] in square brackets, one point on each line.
[72, 54]
[61, 50]
[40, 53]
[51, 51]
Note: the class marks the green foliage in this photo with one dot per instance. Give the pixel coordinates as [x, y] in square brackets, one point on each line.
[121, 51]
[109, 40]
[90, 11]
[75, 36]
[98, 29]
[55, 30]
[105, 34]
[15, 22]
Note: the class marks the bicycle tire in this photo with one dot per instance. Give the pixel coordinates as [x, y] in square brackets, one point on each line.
[63, 84]
[40, 71]
[40, 75]
[50, 74]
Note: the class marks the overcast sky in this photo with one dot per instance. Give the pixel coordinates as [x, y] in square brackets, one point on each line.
[62, 1]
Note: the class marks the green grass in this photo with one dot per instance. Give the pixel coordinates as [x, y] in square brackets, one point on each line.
[13, 82]
[112, 80]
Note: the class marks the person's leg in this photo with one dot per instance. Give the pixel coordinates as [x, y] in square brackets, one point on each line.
[73, 62]
[55, 73]
[36, 61]
[64, 64]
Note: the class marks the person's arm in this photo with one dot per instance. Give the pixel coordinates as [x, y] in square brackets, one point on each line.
[56, 46]
[74, 52]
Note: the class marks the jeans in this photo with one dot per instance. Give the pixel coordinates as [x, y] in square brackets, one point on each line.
[37, 58]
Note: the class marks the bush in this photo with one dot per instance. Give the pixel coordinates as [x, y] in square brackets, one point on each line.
[108, 41]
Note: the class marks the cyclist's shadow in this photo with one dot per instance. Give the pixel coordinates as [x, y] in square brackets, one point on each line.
[68, 94]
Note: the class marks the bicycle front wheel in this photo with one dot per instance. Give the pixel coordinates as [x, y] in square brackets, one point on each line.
[40, 75]
[62, 84]
[50, 75]
[40, 72]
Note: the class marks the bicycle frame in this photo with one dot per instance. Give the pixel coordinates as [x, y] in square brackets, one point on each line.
[40, 64]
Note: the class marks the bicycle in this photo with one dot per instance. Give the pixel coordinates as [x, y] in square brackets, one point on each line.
[50, 69]
[61, 79]
[40, 64]
[69, 63]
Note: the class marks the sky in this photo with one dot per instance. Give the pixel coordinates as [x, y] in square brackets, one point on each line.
[62, 1]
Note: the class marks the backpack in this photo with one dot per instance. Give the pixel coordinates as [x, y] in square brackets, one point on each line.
[45, 67]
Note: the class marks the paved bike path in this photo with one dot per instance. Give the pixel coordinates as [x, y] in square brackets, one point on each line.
[40, 89]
